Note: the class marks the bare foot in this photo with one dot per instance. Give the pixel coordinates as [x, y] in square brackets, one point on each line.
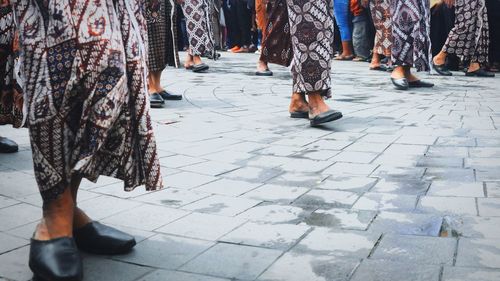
[398, 72]
[298, 103]
[262, 66]
[197, 60]
[473, 67]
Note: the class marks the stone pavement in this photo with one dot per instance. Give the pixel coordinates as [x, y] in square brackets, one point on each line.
[405, 187]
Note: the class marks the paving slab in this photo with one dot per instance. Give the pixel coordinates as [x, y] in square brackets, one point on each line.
[300, 267]
[233, 261]
[470, 273]
[479, 253]
[375, 270]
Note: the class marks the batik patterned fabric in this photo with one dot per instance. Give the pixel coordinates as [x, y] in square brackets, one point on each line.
[311, 29]
[162, 34]
[411, 45]
[469, 38]
[199, 29]
[11, 95]
[381, 15]
[84, 75]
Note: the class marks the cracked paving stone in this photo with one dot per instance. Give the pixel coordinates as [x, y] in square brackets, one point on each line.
[301, 267]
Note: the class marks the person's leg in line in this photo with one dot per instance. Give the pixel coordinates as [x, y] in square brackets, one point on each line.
[262, 20]
[244, 24]
[469, 38]
[311, 73]
[343, 19]
[381, 17]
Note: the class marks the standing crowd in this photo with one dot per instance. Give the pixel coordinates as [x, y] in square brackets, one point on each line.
[81, 75]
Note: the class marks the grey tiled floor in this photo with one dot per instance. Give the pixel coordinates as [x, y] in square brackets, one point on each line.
[405, 187]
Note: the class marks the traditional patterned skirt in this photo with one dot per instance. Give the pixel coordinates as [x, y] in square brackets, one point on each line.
[84, 75]
[311, 29]
[411, 45]
[381, 15]
[469, 38]
[199, 27]
[162, 34]
[11, 95]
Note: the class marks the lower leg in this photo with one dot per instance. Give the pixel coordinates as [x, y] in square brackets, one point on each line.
[347, 48]
[375, 59]
[317, 104]
[298, 103]
[262, 65]
[189, 60]
[80, 219]
[57, 218]
[154, 84]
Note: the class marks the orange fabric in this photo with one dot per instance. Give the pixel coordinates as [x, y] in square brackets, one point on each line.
[356, 8]
[261, 15]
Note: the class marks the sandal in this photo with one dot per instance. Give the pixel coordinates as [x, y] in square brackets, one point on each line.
[342, 57]
[328, 116]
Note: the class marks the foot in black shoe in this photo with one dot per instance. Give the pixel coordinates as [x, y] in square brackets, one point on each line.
[480, 73]
[7, 145]
[299, 114]
[197, 68]
[420, 84]
[156, 100]
[166, 95]
[55, 260]
[400, 83]
[96, 238]
[441, 69]
[328, 116]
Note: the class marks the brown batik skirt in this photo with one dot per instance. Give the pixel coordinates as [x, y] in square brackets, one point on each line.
[381, 15]
[411, 45]
[161, 17]
[11, 95]
[469, 38]
[86, 92]
[300, 32]
[199, 27]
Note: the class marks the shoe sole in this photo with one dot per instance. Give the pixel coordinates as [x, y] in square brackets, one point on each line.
[330, 118]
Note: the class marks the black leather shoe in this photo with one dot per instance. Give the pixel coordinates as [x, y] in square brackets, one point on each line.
[156, 100]
[200, 68]
[96, 238]
[400, 83]
[441, 69]
[55, 260]
[328, 116]
[8, 146]
[166, 95]
[480, 73]
[266, 72]
[420, 84]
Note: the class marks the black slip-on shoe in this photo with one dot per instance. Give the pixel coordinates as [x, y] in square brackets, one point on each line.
[441, 69]
[266, 72]
[328, 116]
[400, 83]
[8, 146]
[200, 67]
[420, 84]
[97, 238]
[156, 100]
[480, 73]
[166, 95]
[55, 260]
[299, 114]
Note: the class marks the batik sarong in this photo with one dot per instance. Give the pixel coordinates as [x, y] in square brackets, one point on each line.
[469, 38]
[199, 28]
[161, 17]
[410, 31]
[311, 29]
[85, 80]
[381, 15]
[11, 96]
